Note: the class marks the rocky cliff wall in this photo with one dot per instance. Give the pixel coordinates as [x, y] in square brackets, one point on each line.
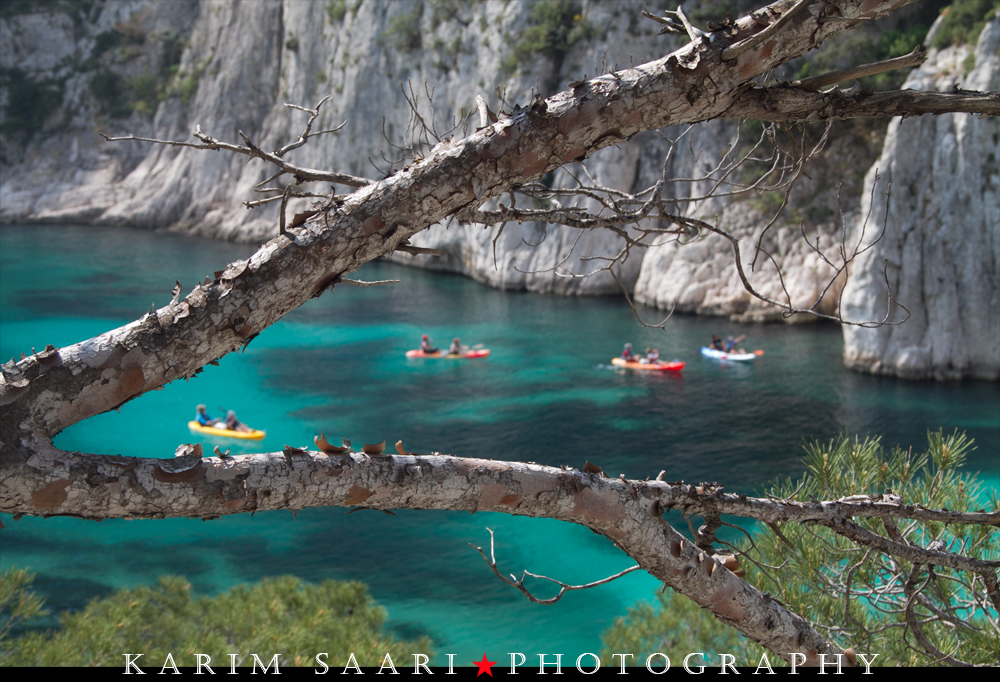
[243, 60]
[940, 251]
[230, 65]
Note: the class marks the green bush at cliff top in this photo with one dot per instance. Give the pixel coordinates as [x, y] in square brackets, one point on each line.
[282, 615]
[964, 21]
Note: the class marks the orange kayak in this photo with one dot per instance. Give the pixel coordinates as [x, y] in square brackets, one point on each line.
[468, 355]
[658, 366]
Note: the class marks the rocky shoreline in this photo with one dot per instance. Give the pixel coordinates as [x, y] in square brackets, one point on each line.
[230, 67]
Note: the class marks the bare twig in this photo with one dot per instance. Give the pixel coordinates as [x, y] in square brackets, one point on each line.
[915, 58]
[519, 583]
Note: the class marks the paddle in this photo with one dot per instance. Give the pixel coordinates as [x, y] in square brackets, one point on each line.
[478, 346]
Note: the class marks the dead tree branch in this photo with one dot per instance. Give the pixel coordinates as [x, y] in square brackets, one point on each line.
[519, 583]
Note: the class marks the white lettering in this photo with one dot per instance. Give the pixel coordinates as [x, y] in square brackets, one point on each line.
[649, 663]
[513, 665]
[867, 663]
[198, 663]
[232, 664]
[391, 666]
[764, 663]
[357, 668]
[451, 665]
[322, 663]
[796, 663]
[623, 661]
[541, 664]
[727, 664]
[701, 668]
[129, 664]
[597, 663]
[418, 664]
[170, 660]
[257, 661]
[823, 664]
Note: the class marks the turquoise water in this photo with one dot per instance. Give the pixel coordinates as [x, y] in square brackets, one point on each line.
[547, 393]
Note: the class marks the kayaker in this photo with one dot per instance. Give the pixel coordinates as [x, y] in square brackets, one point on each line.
[456, 347]
[652, 356]
[202, 417]
[731, 343]
[425, 345]
[716, 343]
[234, 424]
[628, 355]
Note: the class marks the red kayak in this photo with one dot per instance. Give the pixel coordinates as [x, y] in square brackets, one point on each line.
[659, 366]
[467, 355]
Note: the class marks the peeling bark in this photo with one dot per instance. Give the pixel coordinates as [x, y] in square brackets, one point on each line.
[626, 512]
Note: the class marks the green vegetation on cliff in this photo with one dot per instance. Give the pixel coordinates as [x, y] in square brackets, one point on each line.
[281, 615]
[555, 27]
[963, 21]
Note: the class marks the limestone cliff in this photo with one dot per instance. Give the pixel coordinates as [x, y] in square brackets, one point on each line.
[161, 68]
[242, 61]
[941, 247]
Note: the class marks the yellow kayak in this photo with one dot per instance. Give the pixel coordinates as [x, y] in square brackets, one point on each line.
[226, 433]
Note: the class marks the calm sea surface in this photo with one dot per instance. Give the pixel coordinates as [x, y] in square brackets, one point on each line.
[547, 393]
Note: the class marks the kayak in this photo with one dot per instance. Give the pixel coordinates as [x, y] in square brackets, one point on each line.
[467, 355]
[211, 431]
[661, 366]
[721, 355]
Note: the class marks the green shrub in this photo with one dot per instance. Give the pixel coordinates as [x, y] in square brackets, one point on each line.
[171, 52]
[29, 102]
[276, 616]
[444, 11]
[964, 21]
[11, 8]
[674, 624]
[110, 91]
[105, 41]
[336, 10]
[17, 604]
[556, 25]
[968, 64]
[404, 32]
[144, 93]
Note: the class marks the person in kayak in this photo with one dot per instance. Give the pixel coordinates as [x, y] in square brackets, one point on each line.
[716, 343]
[456, 347]
[628, 355]
[731, 344]
[234, 424]
[426, 347]
[652, 356]
[202, 417]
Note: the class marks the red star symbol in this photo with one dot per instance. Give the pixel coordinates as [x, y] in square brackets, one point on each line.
[484, 666]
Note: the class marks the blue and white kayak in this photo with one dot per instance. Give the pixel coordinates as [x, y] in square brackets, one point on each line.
[722, 355]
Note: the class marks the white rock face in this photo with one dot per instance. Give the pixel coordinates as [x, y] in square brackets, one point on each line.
[247, 59]
[243, 60]
[701, 277]
[942, 236]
